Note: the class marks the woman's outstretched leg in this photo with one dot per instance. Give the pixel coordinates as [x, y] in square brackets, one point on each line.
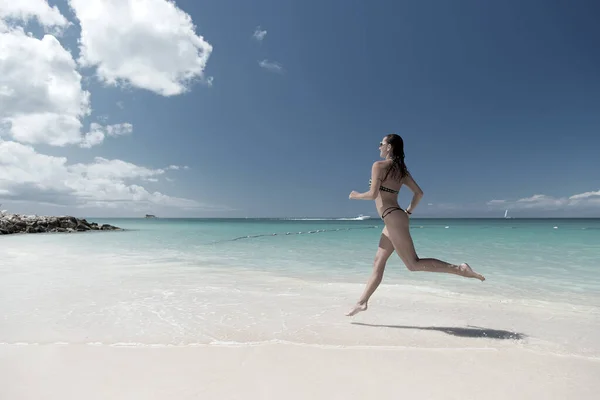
[400, 237]
[385, 250]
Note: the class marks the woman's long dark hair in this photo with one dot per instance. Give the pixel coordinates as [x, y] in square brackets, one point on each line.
[398, 168]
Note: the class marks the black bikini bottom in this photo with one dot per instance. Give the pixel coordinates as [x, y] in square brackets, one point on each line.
[389, 210]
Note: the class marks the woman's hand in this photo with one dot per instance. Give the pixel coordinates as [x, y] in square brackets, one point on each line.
[353, 195]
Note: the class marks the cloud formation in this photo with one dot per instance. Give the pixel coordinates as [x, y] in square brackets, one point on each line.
[271, 66]
[41, 98]
[259, 34]
[545, 202]
[27, 10]
[157, 47]
[98, 132]
[30, 176]
[43, 102]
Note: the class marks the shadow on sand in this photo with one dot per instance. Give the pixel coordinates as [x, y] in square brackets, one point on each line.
[471, 332]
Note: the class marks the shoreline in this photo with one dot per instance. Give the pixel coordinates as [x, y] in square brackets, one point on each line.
[340, 219]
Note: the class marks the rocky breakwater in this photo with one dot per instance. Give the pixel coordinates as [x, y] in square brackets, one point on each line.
[15, 223]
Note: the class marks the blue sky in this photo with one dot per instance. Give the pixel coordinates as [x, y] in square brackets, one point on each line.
[498, 104]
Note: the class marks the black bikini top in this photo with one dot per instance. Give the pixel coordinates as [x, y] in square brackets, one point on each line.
[385, 189]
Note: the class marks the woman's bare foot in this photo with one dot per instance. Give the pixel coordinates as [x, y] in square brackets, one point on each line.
[357, 308]
[466, 271]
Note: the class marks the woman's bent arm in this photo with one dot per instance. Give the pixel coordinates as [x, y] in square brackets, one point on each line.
[375, 182]
[414, 187]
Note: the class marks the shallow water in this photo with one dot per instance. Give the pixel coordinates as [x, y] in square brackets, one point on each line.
[191, 282]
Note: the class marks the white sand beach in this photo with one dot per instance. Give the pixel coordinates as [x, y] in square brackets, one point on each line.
[80, 321]
[282, 371]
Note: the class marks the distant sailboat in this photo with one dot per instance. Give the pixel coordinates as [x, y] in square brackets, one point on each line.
[506, 215]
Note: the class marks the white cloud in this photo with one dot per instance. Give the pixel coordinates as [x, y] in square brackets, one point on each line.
[29, 176]
[541, 201]
[148, 44]
[259, 34]
[41, 99]
[586, 195]
[103, 168]
[98, 132]
[545, 202]
[26, 10]
[271, 66]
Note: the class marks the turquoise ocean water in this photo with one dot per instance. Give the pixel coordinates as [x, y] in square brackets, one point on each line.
[203, 280]
[530, 258]
[542, 259]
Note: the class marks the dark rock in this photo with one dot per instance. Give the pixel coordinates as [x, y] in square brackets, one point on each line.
[68, 223]
[83, 228]
[16, 223]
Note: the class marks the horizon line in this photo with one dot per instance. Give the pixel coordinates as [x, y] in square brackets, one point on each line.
[338, 218]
